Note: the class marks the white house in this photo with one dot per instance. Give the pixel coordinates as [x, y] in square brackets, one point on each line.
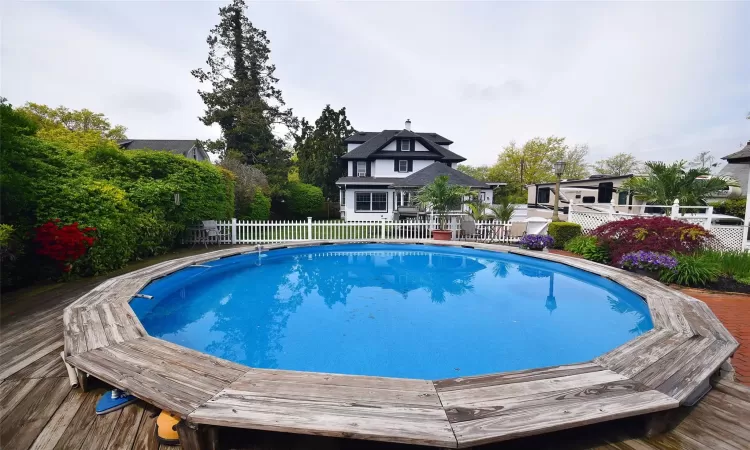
[386, 168]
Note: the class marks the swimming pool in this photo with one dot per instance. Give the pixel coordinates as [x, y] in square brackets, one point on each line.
[413, 311]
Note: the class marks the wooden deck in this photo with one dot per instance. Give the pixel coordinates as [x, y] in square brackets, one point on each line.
[652, 373]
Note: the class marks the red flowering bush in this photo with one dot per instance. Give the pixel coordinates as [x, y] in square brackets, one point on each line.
[63, 243]
[655, 234]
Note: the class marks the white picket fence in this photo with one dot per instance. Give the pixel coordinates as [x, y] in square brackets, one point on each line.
[257, 232]
[725, 237]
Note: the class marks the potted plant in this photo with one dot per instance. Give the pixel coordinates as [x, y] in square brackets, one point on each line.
[647, 263]
[536, 241]
[441, 197]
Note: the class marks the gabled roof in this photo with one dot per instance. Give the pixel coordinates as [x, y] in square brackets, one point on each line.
[741, 156]
[364, 136]
[434, 170]
[176, 146]
[377, 141]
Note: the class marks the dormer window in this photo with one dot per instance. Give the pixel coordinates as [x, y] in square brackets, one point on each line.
[403, 165]
[361, 168]
[405, 147]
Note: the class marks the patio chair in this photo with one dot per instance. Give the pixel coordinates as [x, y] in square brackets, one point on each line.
[517, 230]
[209, 230]
[468, 230]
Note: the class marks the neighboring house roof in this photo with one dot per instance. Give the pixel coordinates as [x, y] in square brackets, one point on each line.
[592, 179]
[428, 174]
[738, 172]
[742, 156]
[378, 141]
[176, 146]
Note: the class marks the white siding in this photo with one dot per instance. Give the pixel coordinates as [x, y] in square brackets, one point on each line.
[391, 147]
[350, 146]
[352, 215]
[419, 147]
[384, 168]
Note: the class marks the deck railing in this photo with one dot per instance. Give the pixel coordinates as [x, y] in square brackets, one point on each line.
[236, 231]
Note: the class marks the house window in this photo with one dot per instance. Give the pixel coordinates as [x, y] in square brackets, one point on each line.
[405, 146]
[402, 198]
[403, 165]
[372, 202]
[622, 198]
[361, 168]
[542, 195]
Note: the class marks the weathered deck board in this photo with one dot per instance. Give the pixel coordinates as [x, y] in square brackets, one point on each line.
[406, 411]
[651, 373]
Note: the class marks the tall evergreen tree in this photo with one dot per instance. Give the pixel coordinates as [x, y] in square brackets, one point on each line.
[243, 98]
[319, 147]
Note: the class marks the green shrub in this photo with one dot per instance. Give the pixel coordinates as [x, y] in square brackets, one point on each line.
[589, 248]
[259, 209]
[562, 232]
[303, 200]
[692, 270]
[128, 196]
[732, 207]
[731, 264]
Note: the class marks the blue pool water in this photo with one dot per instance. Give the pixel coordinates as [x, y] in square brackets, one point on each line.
[392, 310]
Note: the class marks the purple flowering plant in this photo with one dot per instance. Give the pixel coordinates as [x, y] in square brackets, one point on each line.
[536, 241]
[646, 260]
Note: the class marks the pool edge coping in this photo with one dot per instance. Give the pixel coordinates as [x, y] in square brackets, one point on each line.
[102, 318]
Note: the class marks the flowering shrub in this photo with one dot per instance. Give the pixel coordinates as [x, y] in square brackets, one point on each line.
[63, 243]
[656, 234]
[536, 241]
[646, 260]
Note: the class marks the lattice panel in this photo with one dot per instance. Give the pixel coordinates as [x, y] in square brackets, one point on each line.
[590, 220]
[727, 238]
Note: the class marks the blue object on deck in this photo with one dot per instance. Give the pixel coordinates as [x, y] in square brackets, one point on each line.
[113, 400]
[413, 311]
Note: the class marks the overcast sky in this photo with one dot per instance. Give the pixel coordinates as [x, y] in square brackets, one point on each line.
[663, 81]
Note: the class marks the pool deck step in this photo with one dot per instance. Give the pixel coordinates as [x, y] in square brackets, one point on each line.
[493, 408]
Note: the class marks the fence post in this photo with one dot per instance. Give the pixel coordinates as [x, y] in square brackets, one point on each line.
[309, 228]
[709, 217]
[612, 209]
[382, 229]
[234, 230]
[675, 208]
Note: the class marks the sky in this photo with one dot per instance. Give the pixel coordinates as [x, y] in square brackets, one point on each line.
[663, 81]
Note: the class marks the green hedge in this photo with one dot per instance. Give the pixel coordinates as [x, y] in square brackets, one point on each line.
[303, 200]
[127, 195]
[563, 232]
[259, 209]
[732, 207]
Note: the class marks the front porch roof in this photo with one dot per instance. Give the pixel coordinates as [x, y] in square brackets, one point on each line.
[742, 156]
[436, 169]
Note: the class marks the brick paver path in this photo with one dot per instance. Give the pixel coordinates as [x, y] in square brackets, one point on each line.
[734, 312]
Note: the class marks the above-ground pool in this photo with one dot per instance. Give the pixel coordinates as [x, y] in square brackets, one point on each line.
[414, 311]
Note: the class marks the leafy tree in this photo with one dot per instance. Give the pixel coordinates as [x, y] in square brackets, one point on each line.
[303, 200]
[666, 182]
[244, 100]
[575, 159]
[441, 197]
[531, 163]
[704, 160]
[75, 129]
[319, 147]
[72, 120]
[480, 173]
[619, 164]
[249, 181]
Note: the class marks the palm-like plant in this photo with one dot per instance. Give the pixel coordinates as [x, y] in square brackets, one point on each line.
[477, 207]
[504, 210]
[442, 197]
[667, 182]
